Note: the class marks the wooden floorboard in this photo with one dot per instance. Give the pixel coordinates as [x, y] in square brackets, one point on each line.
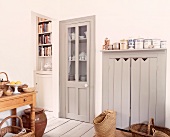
[62, 129]
[59, 127]
[54, 122]
[89, 133]
[79, 130]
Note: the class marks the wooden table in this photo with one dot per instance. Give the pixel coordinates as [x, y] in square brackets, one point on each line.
[14, 101]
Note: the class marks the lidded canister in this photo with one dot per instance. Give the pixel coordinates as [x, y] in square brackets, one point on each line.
[147, 43]
[139, 43]
[163, 44]
[110, 47]
[123, 44]
[131, 43]
[116, 46]
[156, 43]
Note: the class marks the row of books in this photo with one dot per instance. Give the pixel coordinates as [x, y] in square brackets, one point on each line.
[44, 27]
[45, 51]
[44, 39]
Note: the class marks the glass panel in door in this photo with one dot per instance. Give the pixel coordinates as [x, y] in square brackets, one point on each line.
[82, 51]
[71, 53]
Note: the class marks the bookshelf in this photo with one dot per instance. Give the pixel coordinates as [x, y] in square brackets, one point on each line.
[44, 44]
[43, 72]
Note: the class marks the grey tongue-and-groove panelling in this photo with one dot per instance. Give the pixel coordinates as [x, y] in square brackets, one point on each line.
[134, 86]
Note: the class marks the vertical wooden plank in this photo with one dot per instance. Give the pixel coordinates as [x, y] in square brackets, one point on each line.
[144, 90]
[152, 87]
[105, 76]
[125, 93]
[161, 90]
[135, 84]
[117, 91]
[111, 84]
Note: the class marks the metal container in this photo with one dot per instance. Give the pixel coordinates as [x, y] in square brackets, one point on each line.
[123, 44]
[139, 43]
[156, 43]
[131, 44]
[110, 47]
[147, 43]
[116, 46]
[163, 44]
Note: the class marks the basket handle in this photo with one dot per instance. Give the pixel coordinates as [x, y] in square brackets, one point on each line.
[5, 75]
[12, 116]
[151, 122]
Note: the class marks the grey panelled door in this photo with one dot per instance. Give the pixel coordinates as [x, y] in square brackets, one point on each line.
[119, 90]
[77, 84]
[143, 89]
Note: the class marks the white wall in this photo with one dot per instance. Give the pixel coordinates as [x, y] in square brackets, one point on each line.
[116, 20]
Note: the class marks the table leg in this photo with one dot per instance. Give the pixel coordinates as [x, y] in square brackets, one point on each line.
[32, 117]
[14, 112]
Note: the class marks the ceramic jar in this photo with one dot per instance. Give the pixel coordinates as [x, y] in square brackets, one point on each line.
[147, 43]
[40, 121]
[156, 43]
[116, 46]
[123, 44]
[139, 43]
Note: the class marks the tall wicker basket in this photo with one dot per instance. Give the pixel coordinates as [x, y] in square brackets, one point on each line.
[15, 129]
[105, 124]
[146, 130]
[3, 85]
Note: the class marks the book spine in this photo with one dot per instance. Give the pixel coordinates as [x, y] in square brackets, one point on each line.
[49, 27]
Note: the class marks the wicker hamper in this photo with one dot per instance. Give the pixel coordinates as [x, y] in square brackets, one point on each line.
[15, 129]
[105, 124]
[146, 130]
[3, 85]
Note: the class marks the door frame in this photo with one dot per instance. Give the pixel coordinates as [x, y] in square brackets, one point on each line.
[62, 69]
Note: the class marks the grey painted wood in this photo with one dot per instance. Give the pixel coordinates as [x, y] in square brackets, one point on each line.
[135, 91]
[79, 86]
[147, 84]
[161, 89]
[152, 87]
[125, 93]
[118, 91]
[111, 84]
[144, 90]
[105, 79]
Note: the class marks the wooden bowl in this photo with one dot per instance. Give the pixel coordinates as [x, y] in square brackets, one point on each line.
[1, 92]
[7, 93]
[29, 89]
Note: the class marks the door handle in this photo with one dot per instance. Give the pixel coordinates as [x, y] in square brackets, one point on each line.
[86, 85]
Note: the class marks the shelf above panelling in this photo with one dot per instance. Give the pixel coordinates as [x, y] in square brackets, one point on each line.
[134, 50]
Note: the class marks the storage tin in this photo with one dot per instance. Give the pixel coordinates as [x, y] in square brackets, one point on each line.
[147, 43]
[123, 44]
[116, 46]
[139, 43]
[131, 44]
[110, 47]
[163, 44]
[156, 43]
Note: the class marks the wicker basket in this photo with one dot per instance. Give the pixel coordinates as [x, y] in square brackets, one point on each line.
[15, 129]
[105, 124]
[3, 85]
[146, 130]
